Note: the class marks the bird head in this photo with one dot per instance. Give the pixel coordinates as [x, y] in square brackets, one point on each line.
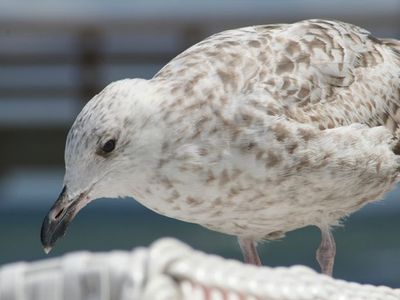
[107, 147]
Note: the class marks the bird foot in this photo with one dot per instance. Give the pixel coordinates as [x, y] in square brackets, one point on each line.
[249, 250]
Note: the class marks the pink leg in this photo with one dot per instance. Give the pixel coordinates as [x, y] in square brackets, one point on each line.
[249, 251]
[326, 252]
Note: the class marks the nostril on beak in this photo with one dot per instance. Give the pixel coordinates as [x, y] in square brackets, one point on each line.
[59, 214]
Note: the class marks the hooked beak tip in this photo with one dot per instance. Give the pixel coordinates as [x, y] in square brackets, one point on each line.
[47, 235]
[56, 222]
[47, 249]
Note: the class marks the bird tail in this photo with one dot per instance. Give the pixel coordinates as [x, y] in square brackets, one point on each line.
[395, 44]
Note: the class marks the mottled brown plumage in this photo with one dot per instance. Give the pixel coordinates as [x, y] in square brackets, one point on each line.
[253, 132]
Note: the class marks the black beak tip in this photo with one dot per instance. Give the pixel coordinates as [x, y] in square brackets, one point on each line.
[53, 229]
[46, 236]
[55, 224]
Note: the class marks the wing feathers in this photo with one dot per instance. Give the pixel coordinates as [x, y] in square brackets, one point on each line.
[326, 73]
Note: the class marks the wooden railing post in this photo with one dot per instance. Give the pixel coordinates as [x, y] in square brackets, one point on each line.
[90, 59]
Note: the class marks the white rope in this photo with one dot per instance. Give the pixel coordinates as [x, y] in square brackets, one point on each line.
[171, 270]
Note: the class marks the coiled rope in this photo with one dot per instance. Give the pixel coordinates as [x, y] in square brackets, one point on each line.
[169, 270]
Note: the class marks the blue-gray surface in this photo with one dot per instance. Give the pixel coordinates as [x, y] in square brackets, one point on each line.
[368, 245]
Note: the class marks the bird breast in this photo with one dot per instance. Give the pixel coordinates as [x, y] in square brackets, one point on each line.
[276, 178]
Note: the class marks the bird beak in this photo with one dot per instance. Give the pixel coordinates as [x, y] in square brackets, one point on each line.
[58, 218]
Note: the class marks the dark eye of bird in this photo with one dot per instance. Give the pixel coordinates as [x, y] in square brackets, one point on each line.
[108, 146]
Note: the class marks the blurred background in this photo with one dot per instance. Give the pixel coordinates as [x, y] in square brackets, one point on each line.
[54, 56]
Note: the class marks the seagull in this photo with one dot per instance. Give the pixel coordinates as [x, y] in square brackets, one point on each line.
[252, 132]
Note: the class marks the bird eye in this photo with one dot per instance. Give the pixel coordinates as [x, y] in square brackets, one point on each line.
[108, 146]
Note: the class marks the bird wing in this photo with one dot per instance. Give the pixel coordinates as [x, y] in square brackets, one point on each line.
[272, 109]
[326, 73]
[332, 74]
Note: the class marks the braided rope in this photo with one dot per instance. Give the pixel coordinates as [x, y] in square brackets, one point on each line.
[171, 270]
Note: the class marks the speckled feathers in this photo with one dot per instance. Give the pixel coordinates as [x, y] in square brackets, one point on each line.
[256, 131]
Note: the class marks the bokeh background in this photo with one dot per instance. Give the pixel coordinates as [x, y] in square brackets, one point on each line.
[55, 55]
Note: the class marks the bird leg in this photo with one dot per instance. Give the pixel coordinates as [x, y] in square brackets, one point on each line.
[249, 250]
[326, 252]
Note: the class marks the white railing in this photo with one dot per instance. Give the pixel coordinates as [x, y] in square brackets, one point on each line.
[171, 270]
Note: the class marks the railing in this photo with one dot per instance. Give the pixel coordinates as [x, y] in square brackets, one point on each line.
[169, 269]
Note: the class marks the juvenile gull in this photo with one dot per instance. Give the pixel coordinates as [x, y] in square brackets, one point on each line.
[252, 132]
